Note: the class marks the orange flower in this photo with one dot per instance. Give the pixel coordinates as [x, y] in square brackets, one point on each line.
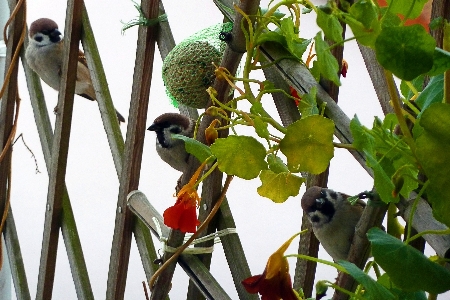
[183, 215]
[275, 282]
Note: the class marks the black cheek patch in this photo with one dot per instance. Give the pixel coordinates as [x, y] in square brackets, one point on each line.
[315, 219]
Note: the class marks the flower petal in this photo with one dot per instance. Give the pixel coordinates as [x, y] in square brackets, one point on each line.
[251, 284]
[182, 217]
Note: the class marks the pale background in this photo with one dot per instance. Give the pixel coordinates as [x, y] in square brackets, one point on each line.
[92, 181]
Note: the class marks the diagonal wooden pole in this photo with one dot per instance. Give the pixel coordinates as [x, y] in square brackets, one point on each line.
[131, 163]
[60, 150]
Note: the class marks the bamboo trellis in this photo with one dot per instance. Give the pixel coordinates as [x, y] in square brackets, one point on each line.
[127, 157]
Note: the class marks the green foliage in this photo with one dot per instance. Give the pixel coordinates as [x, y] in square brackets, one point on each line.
[194, 147]
[406, 51]
[329, 23]
[242, 156]
[373, 289]
[433, 93]
[308, 144]
[416, 273]
[279, 186]
[433, 148]
[408, 8]
[326, 64]
[308, 104]
[388, 156]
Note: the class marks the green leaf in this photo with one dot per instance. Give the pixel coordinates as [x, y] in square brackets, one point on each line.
[276, 164]
[330, 25]
[242, 156]
[308, 104]
[433, 93]
[382, 181]
[295, 45]
[373, 289]
[261, 127]
[194, 147]
[365, 12]
[308, 144]
[271, 36]
[363, 20]
[405, 7]
[277, 14]
[278, 187]
[406, 51]
[326, 63]
[441, 62]
[433, 148]
[362, 139]
[385, 280]
[416, 273]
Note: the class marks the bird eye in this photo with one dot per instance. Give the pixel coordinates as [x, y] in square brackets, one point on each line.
[38, 38]
[319, 202]
[175, 130]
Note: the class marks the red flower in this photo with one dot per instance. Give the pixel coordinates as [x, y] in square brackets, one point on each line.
[183, 215]
[275, 282]
[295, 94]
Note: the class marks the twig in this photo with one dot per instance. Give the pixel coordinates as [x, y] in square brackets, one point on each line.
[29, 149]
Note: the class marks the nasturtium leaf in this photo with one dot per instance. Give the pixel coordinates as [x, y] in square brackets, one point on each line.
[406, 51]
[441, 62]
[382, 181]
[386, 282]
[373, 290]
[242, 156]
[308, 105]
[362, 139]
[261, 127]
[194, 147]
[326, 62]
[407, 8]
[278, 187]
[271, 36]
[365, 36]
[365, 12]
[308, 144]
[276, 164]
[330, 25]
[257, 108]
[433, 148]
[416, 273]
[294, 44]
[433, 93]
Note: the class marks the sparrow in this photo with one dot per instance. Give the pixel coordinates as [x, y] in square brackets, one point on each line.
[172, 150]
[333, 219]
[44, 55]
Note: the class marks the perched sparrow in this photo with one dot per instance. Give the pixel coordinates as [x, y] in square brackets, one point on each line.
[333, 219]
[44, 55]
[172, 150]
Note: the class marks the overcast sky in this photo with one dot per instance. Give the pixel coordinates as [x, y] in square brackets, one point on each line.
[91, 178]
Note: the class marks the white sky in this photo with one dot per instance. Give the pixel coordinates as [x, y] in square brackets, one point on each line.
[91, 179]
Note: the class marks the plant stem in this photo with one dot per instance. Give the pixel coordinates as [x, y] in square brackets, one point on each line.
[398, 109]
[446, 47]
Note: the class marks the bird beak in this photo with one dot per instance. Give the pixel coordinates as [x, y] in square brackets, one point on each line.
[153, 127]
[55, 36]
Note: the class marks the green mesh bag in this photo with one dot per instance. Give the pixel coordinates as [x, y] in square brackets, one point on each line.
[187, 70]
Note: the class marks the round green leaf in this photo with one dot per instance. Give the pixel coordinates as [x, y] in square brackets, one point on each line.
[433, 148]
[308, 144]
[242, 156]
[408, 268]
[279, 186]
[406, 51]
